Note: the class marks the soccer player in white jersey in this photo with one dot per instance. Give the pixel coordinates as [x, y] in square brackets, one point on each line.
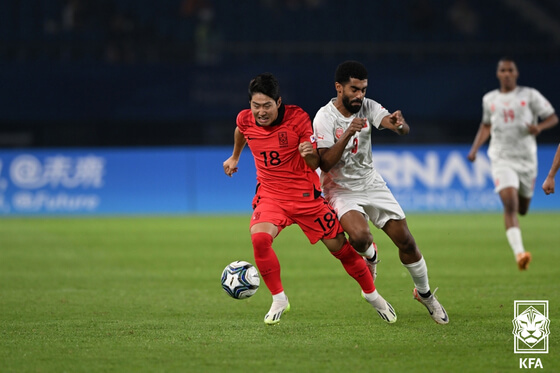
[352, 185]
[510, 118]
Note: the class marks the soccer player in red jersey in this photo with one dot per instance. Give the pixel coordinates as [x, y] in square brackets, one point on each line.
[288, 191]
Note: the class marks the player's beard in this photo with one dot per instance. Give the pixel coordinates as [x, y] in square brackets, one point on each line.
[348, 104]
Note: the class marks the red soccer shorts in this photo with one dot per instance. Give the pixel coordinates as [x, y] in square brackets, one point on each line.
[315, 217]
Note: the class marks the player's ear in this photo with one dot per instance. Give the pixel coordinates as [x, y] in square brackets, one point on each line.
[338, 87]
[279, 102]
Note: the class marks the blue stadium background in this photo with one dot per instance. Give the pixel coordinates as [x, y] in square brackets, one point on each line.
[143, 77]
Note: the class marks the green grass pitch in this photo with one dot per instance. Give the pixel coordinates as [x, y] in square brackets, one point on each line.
[142, 294]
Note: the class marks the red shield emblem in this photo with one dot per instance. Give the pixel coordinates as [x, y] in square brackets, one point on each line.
[339, 132]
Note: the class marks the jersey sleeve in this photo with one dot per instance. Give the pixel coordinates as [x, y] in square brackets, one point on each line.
[323, 128]
[305, 127]
[241, 121]
[376, 112]
[540, 105]
[486, 113]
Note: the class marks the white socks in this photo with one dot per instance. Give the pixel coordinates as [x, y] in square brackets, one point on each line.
[371, 297]
[370, 252]
[419, 273]
[513, 235]
[280, 296]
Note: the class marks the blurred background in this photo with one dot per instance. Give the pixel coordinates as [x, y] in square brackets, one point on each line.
[129, 106]
[175, 72]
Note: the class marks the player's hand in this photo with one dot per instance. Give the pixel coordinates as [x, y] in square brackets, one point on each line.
[305, 148]
[548, 185]
[397, 120]
[356, 126]
[471, 156]
[230, 166]
[533, 129]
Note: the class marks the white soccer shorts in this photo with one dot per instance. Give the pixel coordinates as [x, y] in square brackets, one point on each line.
[377, 203]
[505, 177]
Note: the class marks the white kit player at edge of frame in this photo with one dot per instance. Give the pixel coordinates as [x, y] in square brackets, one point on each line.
[512, 118]
[240, 279]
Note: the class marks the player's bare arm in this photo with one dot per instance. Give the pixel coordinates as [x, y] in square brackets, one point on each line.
[309, 154]
[548, 123]
[230, 164]
[549, 184]
[330, 156]
[396, 123]
[482, 135]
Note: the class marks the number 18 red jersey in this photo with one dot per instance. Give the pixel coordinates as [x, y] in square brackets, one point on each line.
[282, 173]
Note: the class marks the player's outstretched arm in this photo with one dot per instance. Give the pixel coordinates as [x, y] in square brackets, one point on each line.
[230, 164]
[548, 185]
[396, 123]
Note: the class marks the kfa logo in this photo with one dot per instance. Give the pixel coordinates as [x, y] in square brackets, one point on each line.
[530, 362]
[531, 326]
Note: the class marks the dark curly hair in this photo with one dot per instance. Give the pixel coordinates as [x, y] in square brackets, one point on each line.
[350, 69]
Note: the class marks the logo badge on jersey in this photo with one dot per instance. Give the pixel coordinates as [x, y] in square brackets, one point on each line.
[283, 139]
[338, 133]
[312, 139]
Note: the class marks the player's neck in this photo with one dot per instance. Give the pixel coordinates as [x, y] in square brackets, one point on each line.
[505, 89]
[341, 108]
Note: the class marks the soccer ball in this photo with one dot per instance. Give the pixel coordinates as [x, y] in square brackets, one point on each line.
[240, 279]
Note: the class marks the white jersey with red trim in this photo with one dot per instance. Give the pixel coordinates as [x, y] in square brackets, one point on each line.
[509, 115]
[355, 170]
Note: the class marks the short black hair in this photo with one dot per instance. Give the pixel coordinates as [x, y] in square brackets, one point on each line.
[350, 69]
[506, 59]
[266, 84]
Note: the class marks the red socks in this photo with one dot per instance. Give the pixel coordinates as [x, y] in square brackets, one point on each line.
[269, 267]
[267, 261]
[356, 267]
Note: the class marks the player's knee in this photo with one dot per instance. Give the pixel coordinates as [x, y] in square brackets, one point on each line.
[407, 244]
[360, 240]
[262, 242]
[510, 209]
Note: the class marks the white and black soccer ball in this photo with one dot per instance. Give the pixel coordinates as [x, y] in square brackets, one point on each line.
[240, 279]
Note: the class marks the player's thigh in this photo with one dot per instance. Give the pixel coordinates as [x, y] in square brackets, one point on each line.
[344, 202]
[527, 183]
[504, 177]
[265, 227]
[271, 212]
[318, 220]
[336, 243]
[382, 206]
[510, 199]
[356, 224]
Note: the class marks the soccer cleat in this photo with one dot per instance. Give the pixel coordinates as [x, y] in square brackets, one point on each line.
[372, 265]
[434, 307]
[276, 310]
[523, 260]
[383, 308]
